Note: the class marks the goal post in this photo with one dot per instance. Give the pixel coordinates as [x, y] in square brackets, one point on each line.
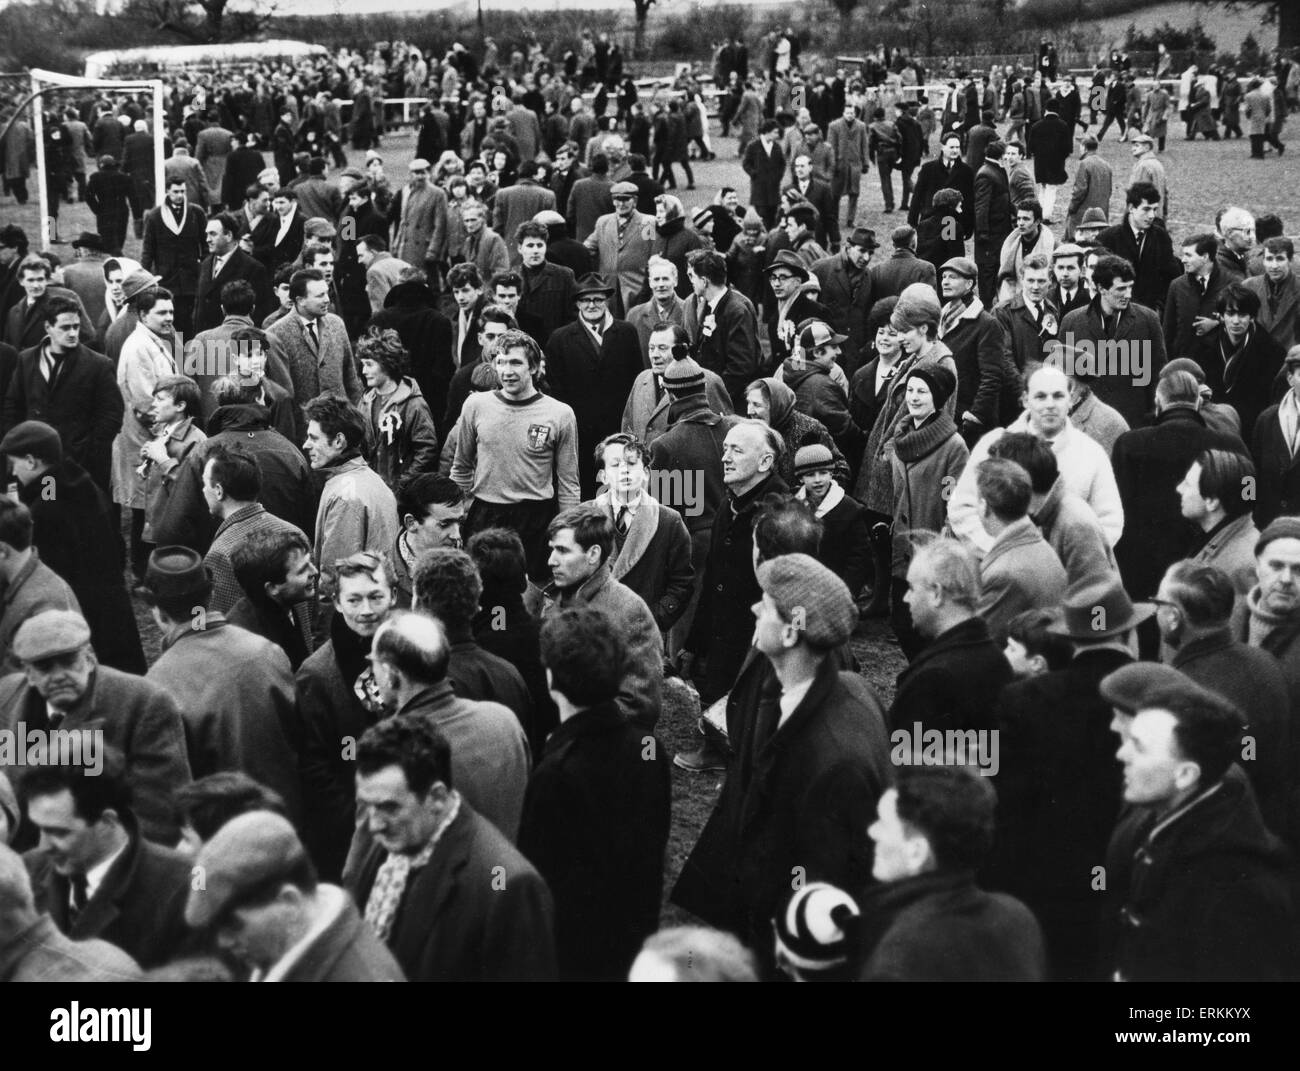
[46, 80]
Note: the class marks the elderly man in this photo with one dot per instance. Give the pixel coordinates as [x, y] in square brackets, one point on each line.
[1238, 229]
[815, 733]
[976, 340]
[62, 685]
[664, 304]
[431, 854]
[591, 365]
[1092, 185]
[484, 247]
[418, 218]
[266, 909]
[582, 542]
[1084, 466]
[621, 244]
[1272, 608]
[647, 413]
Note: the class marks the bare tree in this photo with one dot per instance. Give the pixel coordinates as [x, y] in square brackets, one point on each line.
[642, 12]
[203, 21]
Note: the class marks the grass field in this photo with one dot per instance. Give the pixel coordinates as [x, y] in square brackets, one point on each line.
[1203, 177]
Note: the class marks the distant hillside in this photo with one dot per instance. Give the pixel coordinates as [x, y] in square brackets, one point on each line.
[1228, 29]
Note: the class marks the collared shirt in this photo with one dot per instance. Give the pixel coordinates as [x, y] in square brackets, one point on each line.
[218, 262]
[604, 326]
[96, 874]
[885, 374]
[463, 320]
[285, 223]
[1288, 413]
[333, 900]
[791, 698]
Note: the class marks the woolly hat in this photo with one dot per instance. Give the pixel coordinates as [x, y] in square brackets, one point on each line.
[33, 437]
[752, 221]
[812, 931]
[918, 306]
[683, 377]
[941, 382]
[1282, 528]
[812, 458]
[811, 597]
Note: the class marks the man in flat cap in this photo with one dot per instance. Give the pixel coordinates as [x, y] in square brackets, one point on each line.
[418, 218]
[63, 686]
[621, 244]
[818, 735]
[263, 903]
[846, 291]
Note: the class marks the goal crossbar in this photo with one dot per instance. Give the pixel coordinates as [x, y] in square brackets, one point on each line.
[44, 80]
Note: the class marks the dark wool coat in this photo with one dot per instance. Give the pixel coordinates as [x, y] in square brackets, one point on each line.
[448, 930]
[953, 683]
[139, 905]
[1252, 680]
[548, 297]
[135, 716]
[1140, 333]
[845, 549]
[1200, 896]
[847, 294]
[84, 406]
[175, 257]
[594, 382]
[765, 170]
[795, 799]
[693, 445]
[207, 295]
[1156, 268]
[1049, 144]
[595, 824]
[1057, 772]
[72, 530]
[932, 178]
[411, 310]
[1253, 382]
[731, 348]
[1278, 472]
[941, 927]
[1183, 304]
[723, 625]
[891, 275]
[654, 558]
[1149, 463]
[977, 343]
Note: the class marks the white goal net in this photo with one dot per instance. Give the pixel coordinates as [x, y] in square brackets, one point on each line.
[45, 80]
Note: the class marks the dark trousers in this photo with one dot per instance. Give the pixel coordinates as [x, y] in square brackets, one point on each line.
[1257, 146]
[80, 177]
[1106, 126]
[988, 256]
[767, 213]
[885, 164]
[529, 519]
[670, 180]
[906, 172]
[18, 187]
[112, 228]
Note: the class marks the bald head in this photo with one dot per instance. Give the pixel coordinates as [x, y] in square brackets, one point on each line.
[415, 645]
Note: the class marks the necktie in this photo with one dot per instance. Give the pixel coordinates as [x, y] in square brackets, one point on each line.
[1142, 239]
[80, 897]
[622, 522]
[312, 330]
[596, 330]
[1295, 437]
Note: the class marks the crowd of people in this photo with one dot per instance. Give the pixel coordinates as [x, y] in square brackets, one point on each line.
[444, 492]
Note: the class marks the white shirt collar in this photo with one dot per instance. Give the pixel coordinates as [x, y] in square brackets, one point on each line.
[332, 901]
[96, 874]
[791, 698]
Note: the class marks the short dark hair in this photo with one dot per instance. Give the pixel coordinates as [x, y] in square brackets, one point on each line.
[530, 228]
[1229, 477]
[1208, 727]
[253, 191]
[1031, 454]
[1031, 205]
[262, 558]
[336, 416]
[599, 164]
[447, 586]
[298, 281]
[464, 274]
[226, 222]
[1005, 486]
[312, 249]
[496, 314]
[15, 524]
[34, 262]
[1205, 244]
[1031, 629]
[501, 560]
[995, 150]
[376, 243]
[585, 654]
[591, 528]
[210, 802]
[411, 742]
[58, 306]
[1235, 297]
[953, 807]
[708, 265]
[416, 494]
[804, 214]
[786, 526]
[93, 790]
[238, 298]
[1142, 193]
[236, 470]
[628, 441]
[1108, 268]
[1278, 245]
[1203, 592]
[147, 299]
[507, 278]
[1268, 226]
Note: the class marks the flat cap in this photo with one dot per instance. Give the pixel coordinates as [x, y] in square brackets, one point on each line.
[1129, 685]
[549, 217]
[624, 189]
[50, 633]
[963, 266]
[33, 437]
[811, 597]
[243, 855]
[1068, 249]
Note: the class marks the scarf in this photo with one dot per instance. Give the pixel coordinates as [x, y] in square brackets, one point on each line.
[394, 872]
[1232, 357]
[350, 651]
[169, 217]
[1262, 621]
[956, 309]
[913, 445]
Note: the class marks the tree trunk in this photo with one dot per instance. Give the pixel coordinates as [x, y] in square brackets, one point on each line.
[638, 39]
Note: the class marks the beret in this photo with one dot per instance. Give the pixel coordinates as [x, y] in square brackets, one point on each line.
[32, 437]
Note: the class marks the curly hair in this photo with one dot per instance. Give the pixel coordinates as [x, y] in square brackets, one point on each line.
[385, 348]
